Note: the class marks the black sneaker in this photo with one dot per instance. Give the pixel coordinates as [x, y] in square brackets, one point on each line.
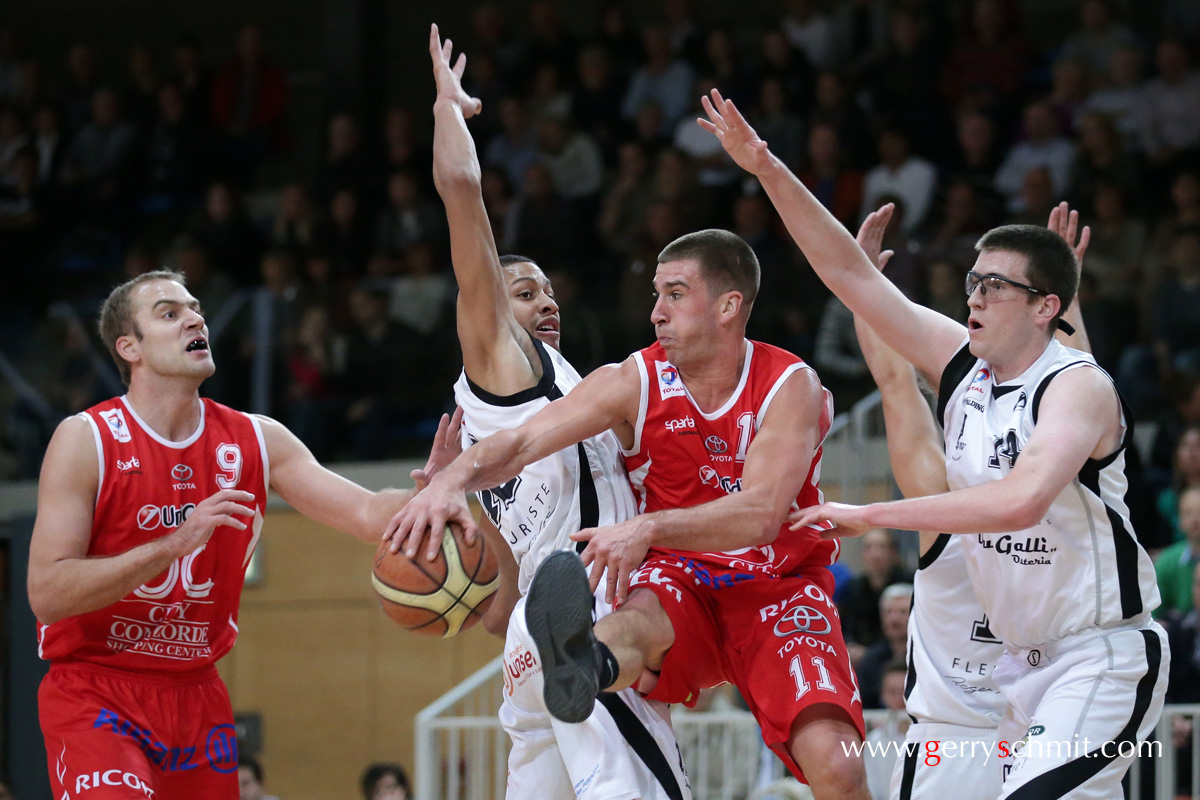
[558, 611]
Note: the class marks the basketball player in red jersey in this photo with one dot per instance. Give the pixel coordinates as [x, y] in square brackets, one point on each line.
[721, 437]
[149, 508]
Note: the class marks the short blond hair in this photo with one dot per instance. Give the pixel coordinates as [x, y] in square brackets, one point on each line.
[116, 315]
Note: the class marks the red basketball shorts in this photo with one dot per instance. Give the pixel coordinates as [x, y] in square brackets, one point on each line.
[777, 639]
[113, 735]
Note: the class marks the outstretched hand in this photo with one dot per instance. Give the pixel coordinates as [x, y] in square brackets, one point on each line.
[425, 516]
[1065, 222]
[870, 235]
[449, 78]
[737, 137]
[447, 446]
[849, 520]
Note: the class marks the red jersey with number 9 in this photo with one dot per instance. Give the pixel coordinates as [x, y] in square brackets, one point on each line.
[186, 617]
[683, 457]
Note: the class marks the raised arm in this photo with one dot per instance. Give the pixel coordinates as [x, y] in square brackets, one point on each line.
[777, 464]
[64, 580]
[493, 345]
[607, 398]
[1065, 223]
[922, 336]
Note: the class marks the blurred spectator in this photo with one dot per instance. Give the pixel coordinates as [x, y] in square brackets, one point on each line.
[1172, 102]
[975, 156]
[482, 80]
[1043, 146]
[675, 182]
[49, 143]
[401, 148]
[881, 568]
[212, 288]
[1114, 256]
[715, 170]
[250, 780]
[10, 65]
[309, 397]
[776, 124]
[385, 782]
[837, 355]
[1122, 96]
[839, 189]
[596, 97]
[497, 199]
[541, 224]
[887, 738]
[1098, 38]
[12, 138]
[572, 157]
[898, 81]
[420, 296]
[141, 95]
[781, 61]
[722, 65]
[1186, 477]
[619, 39]
[493, 39]
[515, 148]
[961, 222]
[810, 31]
[25, 226]
[1177, 325]
[173, 156]
[82, 84]
[902, 174]
[683, 29]
[1068, 92]
[345, 235]
[1183, 682]
[249, 100]
[1183, 412]
[662, 225]
[987, 68]
[835, 107]
[227, 235]
[547, 95]
[1101, 158]
[1176, 564]
[1185, 213]
[346, 165]
[548, 43]
[194, 79]
[664, 80]
[295, 227]
[945, 290]
[408, 217]
[99, 160]
[894, 605]
[626, 200]
[1036, 198]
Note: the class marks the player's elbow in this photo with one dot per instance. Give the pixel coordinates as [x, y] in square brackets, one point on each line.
[1025, 512]
[45, 603]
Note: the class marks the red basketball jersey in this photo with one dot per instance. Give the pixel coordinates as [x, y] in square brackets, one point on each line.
[682, 457]
[186, 617]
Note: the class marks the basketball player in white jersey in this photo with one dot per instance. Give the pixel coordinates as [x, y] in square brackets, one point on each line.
[951, 749]
[1035, 437]
[508, 327]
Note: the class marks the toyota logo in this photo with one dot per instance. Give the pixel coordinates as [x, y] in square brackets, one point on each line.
[715, 444]
[802, 619]
[181, 472]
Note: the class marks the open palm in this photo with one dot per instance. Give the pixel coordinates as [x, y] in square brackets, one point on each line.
[449, 78]
[737, 137]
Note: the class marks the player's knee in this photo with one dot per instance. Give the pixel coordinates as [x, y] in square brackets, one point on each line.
[841, 777]
[640, 622]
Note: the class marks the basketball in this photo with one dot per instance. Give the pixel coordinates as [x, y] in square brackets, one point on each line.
[439, 597]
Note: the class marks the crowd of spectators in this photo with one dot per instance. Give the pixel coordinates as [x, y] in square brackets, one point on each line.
[592, 162]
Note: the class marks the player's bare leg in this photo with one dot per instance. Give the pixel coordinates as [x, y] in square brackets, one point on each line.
[827, 747]
[639, 635]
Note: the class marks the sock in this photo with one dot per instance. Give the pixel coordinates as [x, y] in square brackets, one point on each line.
[610, 668]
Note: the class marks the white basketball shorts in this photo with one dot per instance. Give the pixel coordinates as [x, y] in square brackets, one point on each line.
[625, 750]
[943, 761]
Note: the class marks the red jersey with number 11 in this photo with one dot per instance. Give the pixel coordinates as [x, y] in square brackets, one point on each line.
[683, 457]
[186, 617]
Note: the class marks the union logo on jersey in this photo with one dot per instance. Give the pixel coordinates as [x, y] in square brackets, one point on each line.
[116, 424]
[669, 384]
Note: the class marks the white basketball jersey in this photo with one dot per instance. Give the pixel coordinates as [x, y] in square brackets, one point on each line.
[1080, 566]
[951, 650]
[582, 486]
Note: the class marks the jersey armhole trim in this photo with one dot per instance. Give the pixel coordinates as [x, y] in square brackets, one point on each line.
[958, 367]
[787, 373]
[262, 451]
[99, 453]
[1125, 418]
[643, 404]
[931, 555]
[539, 390]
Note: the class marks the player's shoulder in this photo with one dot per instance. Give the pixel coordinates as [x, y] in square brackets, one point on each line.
[73, 450]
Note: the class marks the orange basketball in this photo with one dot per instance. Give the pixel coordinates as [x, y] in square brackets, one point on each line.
[439, 597]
